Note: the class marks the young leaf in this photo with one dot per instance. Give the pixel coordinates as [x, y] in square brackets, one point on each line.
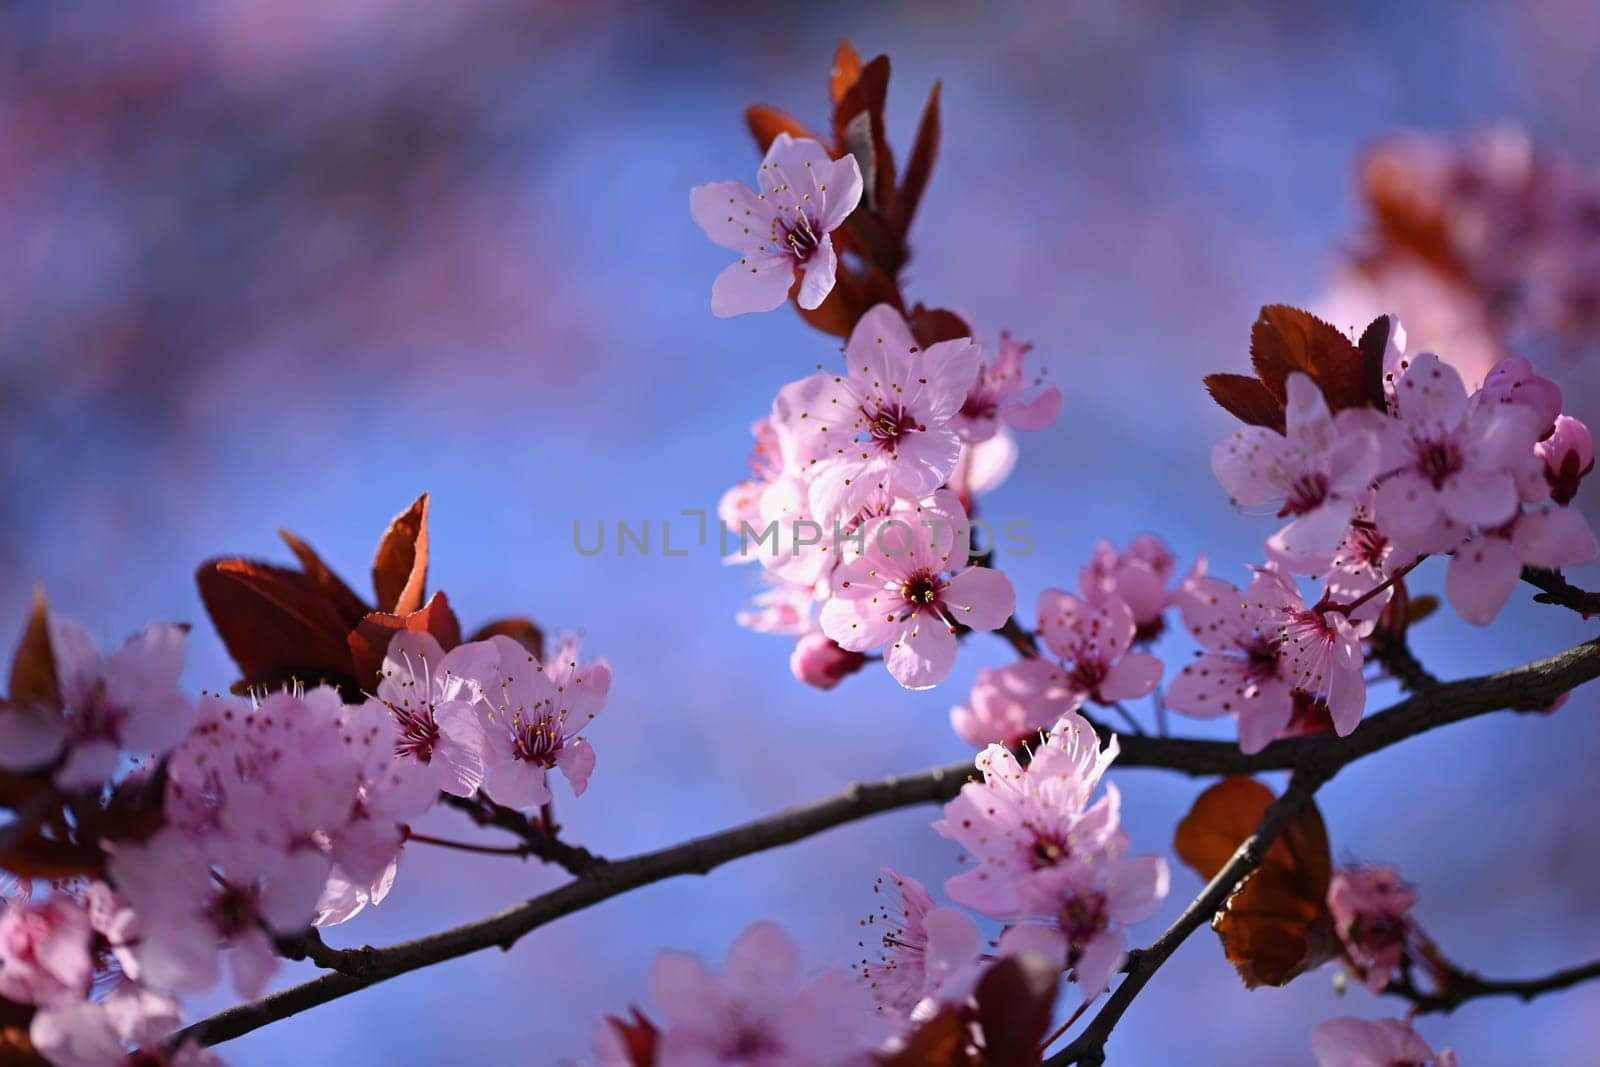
[868, 96]
[33, 668]
[1015, 1000]
[919, 167]
[1276, 925]
[846, 70]
[932, 325]
[350, 607]
[1286, 339]
[276, 623]
[400, 569]
[939, 1042]
[767, 122]
[1246, 399]
[370, 640]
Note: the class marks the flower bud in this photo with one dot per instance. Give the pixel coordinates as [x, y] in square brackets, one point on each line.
[818, 661]
[1568, 455]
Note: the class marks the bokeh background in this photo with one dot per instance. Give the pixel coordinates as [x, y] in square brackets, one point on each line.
[287, 263]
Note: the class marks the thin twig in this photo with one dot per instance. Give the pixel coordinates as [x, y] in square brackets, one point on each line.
[1559, 591]
[1461, 986]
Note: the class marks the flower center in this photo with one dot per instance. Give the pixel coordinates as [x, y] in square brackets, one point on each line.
[889, 423]
[922, 589]
[539, 741]
[1047, 851]
[233, 910]
[1438, 461]
[1305, 494]
[1082, 917]
[801, 238]
[419, 733]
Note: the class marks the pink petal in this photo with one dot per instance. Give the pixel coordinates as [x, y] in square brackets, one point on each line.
[1250, 463]
[1431, 392]
[1132, 676]
[1205, 688]
[1037, 413]
[840, 187]
[762, 962]
[819, 273]
[943, 375]
[953, 943]
[1559, 537]
[759, 282]
[1136, 888]
[981, 598]
[1406, 501]
[731, 215]
[1480, 498]
[577, 763]
[1481, 577]
[1099, 961]
[859, 626]
[923, 655]
[254, 963]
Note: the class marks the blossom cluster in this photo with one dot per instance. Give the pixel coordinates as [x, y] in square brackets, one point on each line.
[263, 816]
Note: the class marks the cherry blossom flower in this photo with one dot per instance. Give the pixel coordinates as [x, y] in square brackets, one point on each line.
[1312, 472]
[923, 946]
[1363, 562]
[1485, 570]
[783, 227]
[533, 713]
[819, 661]
[1139, 576]
[1090, 904]
[126, 702]
[192, 897]
[1240, 671]
[781, 608]
[1094, 643]
[1370, 907]
[1351, 1042]
[129, 1025]
[1450, 460]
[885, 423]
[761, 1012]
[1021, 821]
[393, 790]
[907, 588]
[44, 951]
[998, 396]
[1012, 704]
[433, 696]
[1320, 653]
[1568, 456]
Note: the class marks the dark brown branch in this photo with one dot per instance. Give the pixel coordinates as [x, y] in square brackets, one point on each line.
[1089, 1046]
[1534, 685]
[1461, 986]
[1559, 591]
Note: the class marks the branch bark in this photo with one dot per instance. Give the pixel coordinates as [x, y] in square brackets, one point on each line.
[1534, 685]
[1463, 986]
[1557, 590]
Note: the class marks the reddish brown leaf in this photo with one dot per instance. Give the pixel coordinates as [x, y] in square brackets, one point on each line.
[1423, 606]
[920, 165]
[16, 1048]
[846, 70]
[638, 1037]
[1286, 339]
[932, 325]
[29, 855]
[1016, 998]
[523, 631]
[1373, 343]
[1246, 399]
[767, 122]
[877, 242]
[370, 640]
[33, 668]
[275, 623]
[940, 1042]
[351, 608]
[400, 569]
[869, 143]
[1408, 222]
[1276, 925]
[840, 309]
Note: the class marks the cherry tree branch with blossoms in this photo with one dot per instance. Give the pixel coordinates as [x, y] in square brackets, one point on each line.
[161, 841]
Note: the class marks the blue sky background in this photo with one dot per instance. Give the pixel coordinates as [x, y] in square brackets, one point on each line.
[276, 264]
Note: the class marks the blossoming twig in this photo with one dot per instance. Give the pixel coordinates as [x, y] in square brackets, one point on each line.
[355, 969]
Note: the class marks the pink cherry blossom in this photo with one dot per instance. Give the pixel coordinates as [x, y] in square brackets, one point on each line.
[393, 790]
[1138, 576]
[44, 951]
[1568, 456]
[1312, 472]
[1094, 644]
[1351, 1042]
[1514, 381]
[984, 467]
[129, 1025]
[1484, 571]
[1090, 904]
[819, 661]
[923, 946]
[907, 587]
[1015, 703]
[1364, 561]
[533, 713]
[1240, 671]
[1021, 821]
[1448, 459]
[784, 226]
[781, 608]
[193, 897]
[998, 396]
[1320, 652]
[885, 423]
[761, 1011]
[1370, 907]
[433, 696]
[126, 702]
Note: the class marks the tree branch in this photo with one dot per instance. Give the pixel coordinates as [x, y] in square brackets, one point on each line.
[1534, 685]
[1089, 1046]
[1559, 591]
[1461, 986]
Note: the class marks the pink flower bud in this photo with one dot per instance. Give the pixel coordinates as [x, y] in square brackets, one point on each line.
[818, 661]
[1568, 455]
